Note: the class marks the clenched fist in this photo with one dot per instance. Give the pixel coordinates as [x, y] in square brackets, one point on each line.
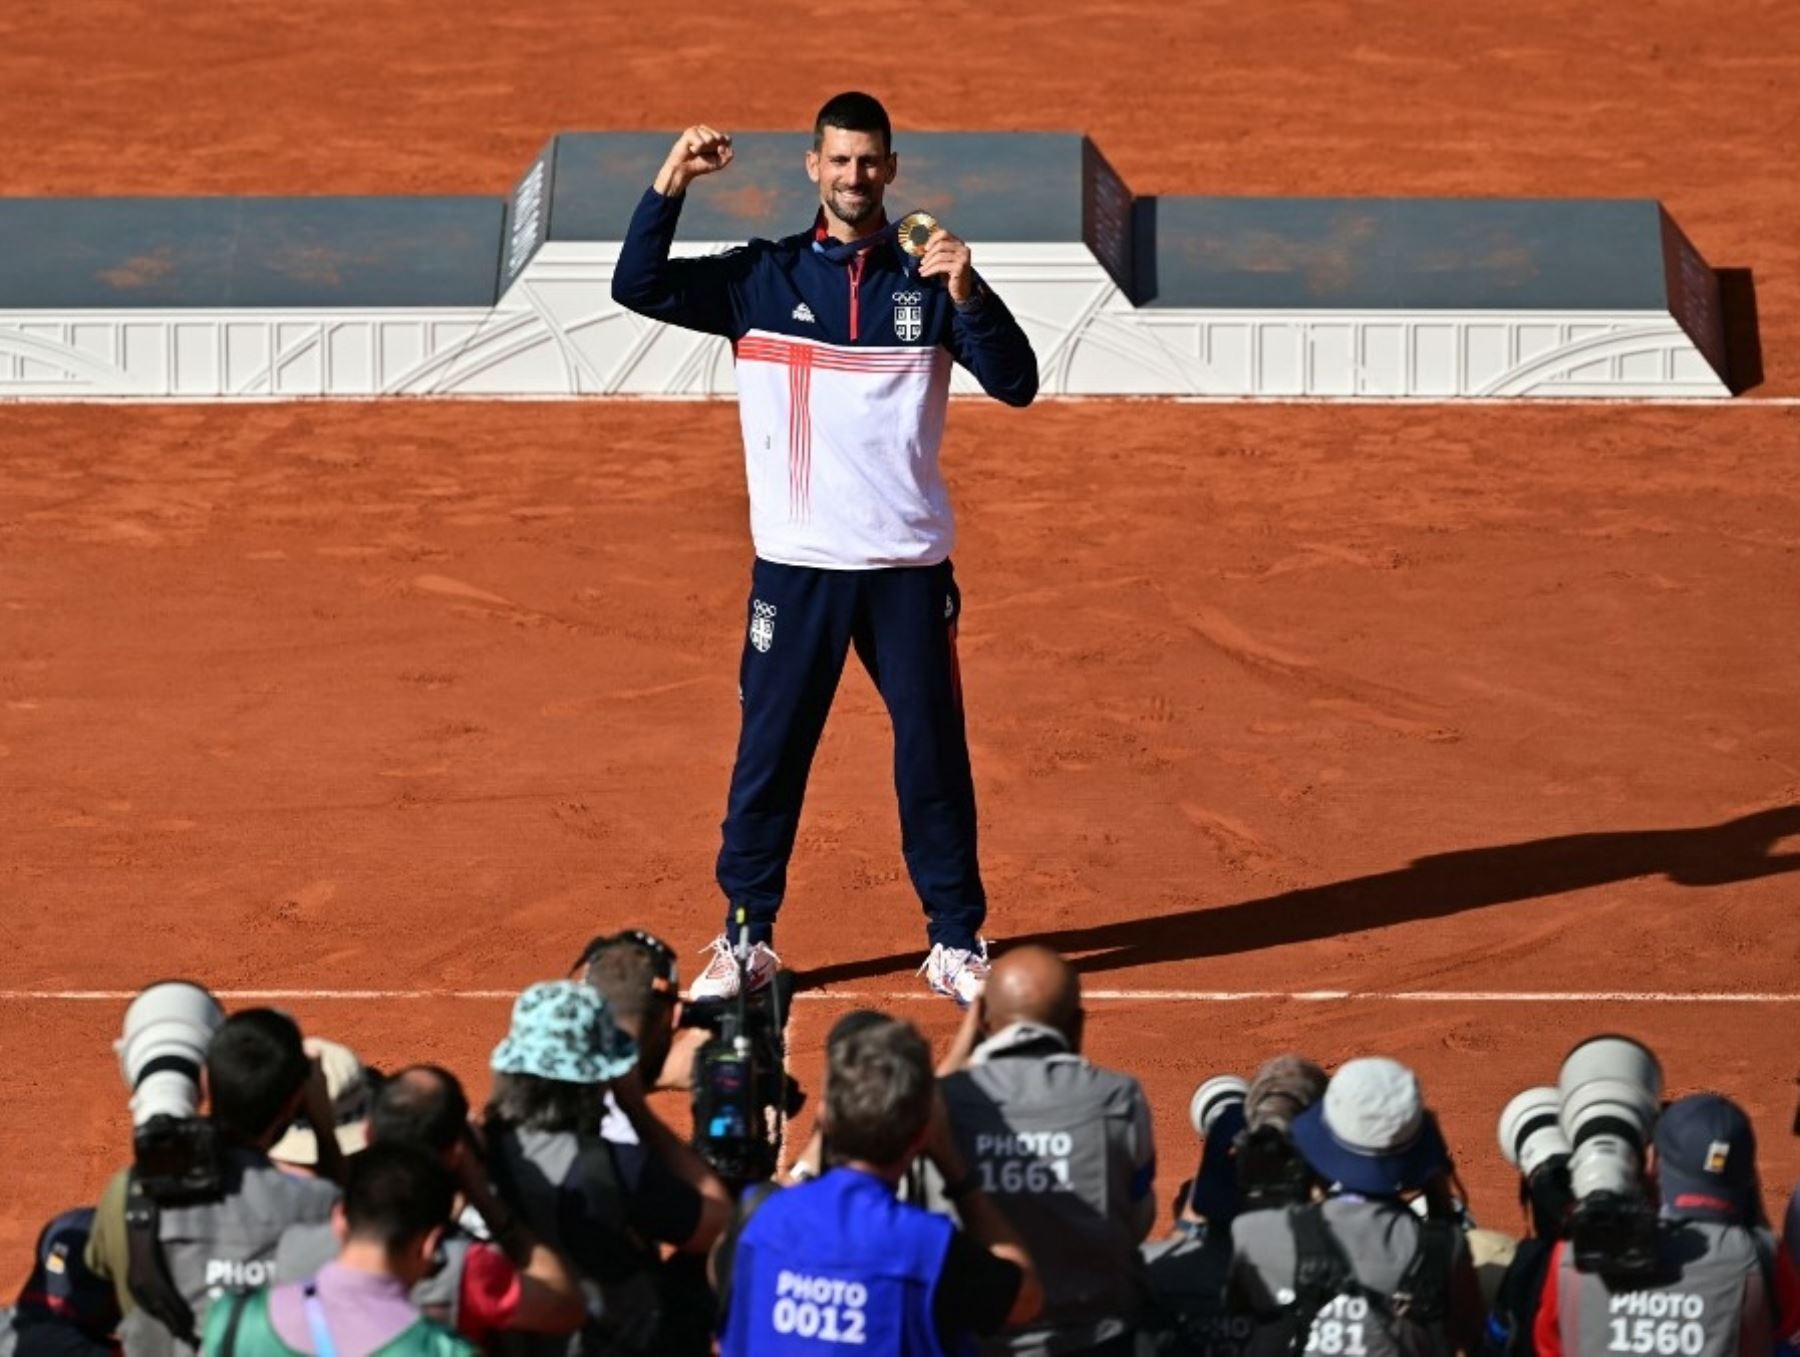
[697, 151]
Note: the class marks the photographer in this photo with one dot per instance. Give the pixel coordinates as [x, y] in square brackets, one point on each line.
[395, 1210]
[839, 1258]
[1715, 1286]
[170, 1259]
[550, 1164]
[1188, 1271]
[1532, 1139]
[674, 1197]
[1359, 1272]
[507, 1282]
[636, 974]
[1061, 1147]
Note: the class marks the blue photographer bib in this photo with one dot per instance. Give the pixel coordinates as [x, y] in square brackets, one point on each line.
[836, 1265]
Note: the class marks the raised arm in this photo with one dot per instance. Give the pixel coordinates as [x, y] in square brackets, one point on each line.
[700, 294]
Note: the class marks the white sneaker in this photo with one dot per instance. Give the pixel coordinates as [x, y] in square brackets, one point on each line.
[720, 978]
[956, 972]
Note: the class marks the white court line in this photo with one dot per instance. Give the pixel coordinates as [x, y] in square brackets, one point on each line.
[689, 398]
[1166, 996]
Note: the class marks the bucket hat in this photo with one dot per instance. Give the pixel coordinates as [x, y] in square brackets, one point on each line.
[564, 1030]
[1370, 1133]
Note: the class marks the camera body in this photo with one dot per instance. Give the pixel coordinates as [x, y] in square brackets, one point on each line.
[162, 1050]
[742, 1095]
[1271, 1172]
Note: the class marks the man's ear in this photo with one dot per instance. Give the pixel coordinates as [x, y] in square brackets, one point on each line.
[428, 1246]
[340, 1223]
[812, 166]
[893, 167]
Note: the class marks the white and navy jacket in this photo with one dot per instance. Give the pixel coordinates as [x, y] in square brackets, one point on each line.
[843, 370]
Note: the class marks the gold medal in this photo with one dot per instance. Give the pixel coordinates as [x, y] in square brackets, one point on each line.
[916, 231]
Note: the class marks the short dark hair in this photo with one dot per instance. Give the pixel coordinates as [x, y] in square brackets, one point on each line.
[625, 972]
[423, 1106]
[878, 1091]
[854, 111]
[395, 1193]
[255, 1065]
[535, 1104]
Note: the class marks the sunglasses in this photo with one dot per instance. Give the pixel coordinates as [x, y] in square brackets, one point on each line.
[666, 981]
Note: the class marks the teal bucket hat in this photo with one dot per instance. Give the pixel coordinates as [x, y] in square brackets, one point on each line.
[563, 1030]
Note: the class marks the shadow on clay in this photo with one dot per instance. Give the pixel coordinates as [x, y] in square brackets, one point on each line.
[1428, 888]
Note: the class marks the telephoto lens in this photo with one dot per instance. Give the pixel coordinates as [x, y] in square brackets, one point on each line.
[1611, 1089]
[162, 1048]
[1212, 1098]
[1530, 1130]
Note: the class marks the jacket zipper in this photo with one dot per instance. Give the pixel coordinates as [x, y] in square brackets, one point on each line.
[856, 268]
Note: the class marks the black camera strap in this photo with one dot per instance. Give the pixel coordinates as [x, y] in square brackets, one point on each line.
[147, 1272]
[1423, 1295]
[1322, 1273]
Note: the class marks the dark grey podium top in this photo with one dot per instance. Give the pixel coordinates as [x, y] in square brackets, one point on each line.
[1407, 254]
[106, 253]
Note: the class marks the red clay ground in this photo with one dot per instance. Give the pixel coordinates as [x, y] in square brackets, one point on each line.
[418, 697]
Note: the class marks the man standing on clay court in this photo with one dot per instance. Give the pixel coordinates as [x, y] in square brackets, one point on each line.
[843, 350]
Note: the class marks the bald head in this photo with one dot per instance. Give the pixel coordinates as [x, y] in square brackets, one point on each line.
[1034, 984]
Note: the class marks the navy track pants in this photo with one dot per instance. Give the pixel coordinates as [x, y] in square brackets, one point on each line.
[802, 623]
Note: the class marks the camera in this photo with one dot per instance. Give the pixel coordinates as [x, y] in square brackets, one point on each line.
[162, 1049]
[743, 1095]
[1532, 1139]
[1610, 1091]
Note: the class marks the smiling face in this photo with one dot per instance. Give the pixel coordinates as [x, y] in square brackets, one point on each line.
[852, 170]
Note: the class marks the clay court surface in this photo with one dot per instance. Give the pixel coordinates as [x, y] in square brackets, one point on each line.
[417, 697]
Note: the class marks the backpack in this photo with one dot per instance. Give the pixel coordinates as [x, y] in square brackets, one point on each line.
[1322, 1274]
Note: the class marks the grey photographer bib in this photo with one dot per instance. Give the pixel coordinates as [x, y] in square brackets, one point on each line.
[227, 1245]
[1379, 1240]
[1050, 1139]
[1710, 1299]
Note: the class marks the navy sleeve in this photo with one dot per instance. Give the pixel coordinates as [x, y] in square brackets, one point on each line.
[986, 340]
[705, 294]
[657, 1203]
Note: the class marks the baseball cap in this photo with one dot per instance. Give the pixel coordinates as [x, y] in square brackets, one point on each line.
[564, 1030]
[1370, 1133]
[352, 1092]
[65, 1310]
[1706, 1158]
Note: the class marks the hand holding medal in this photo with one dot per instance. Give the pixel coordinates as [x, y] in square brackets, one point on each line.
[940, 254]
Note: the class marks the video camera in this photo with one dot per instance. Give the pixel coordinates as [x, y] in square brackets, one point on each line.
[743, 1095]
[1580, 1147]
[162, 1049]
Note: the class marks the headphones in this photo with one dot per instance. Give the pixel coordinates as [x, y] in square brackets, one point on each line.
[666, 981]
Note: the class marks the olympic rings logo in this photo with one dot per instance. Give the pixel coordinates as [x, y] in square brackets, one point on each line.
[909, 298]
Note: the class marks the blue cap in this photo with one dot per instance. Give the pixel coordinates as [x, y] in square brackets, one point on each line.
[1706, 1158]
[64, 1308]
